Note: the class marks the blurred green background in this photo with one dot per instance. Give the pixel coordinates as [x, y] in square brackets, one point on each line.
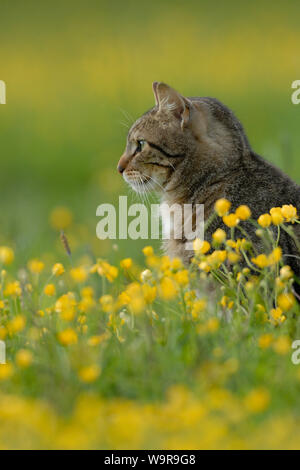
[76, 72]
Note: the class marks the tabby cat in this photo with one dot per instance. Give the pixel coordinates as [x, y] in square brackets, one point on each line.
[194, 150]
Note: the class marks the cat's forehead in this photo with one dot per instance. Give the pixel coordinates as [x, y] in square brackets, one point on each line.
[145, 125]
[148, 125]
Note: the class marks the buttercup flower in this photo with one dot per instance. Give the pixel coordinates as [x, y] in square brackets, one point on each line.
[257, 400]
[264, 220]
[89, 374]
[289, 212]
[261, 261]
[6, 255]
[126, 263]
[219, 236]
[231, 220]
[58, 269]
[286, 301]
[201, 246]
[276, 215]
[222, 206]
[17, 324]
[243, 212]
[36, 266]
[24, 358]
[148, 251]
[67, 337]
[168, 289]
[49, 290]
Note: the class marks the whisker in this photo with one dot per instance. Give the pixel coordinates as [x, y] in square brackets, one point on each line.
[155, 181]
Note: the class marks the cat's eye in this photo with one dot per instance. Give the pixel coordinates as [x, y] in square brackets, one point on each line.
[140, 145]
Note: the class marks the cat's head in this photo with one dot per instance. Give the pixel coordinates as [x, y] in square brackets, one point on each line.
[179, 139]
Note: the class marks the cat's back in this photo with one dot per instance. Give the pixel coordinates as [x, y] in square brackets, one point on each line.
[261, 186]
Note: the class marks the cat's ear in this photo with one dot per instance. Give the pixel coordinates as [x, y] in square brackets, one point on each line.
[168, 99]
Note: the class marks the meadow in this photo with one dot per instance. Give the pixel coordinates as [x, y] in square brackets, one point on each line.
[102, 333]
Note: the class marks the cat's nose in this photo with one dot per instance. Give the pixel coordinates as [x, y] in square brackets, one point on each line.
[122, 163]
[120, 168]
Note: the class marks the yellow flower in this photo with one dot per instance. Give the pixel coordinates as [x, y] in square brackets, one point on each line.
[89, 374]
[165, 263]
[6, 255]
[148, 251]
[289, 212]
[135, 297]
[168, 289]
[78, 274]
[286, 301]
[261, 261]
[13, 289]
[96, 340]
[222, 206]
[198, 306]
[242, 244]
[6, 371]
[176, 263]
[286, 272]
[275, 256]
[106, 270]
[149, 293]
[231, 220]
[87, 291]
[49, 290]
[86, 304]
[65, 306]
[231, 243]
[204, 266]
[58, 269]
[67, 337]
[257, 400]
[36, 266]
[17, 324]
[223, 301]
[276, 315]
[216, 258]
[126, 263]
[264, 220]
[61, 218]
[282, 345]
[233, 257]
[201, 246]
[107, 303]
[219, 236]
[265, 340]
[24, 358]
[182, 277]
[276, 215]
[243, 212]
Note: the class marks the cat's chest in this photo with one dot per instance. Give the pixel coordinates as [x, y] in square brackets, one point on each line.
[174, 242]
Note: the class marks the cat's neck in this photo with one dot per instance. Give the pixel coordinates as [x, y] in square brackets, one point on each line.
[203, 186]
